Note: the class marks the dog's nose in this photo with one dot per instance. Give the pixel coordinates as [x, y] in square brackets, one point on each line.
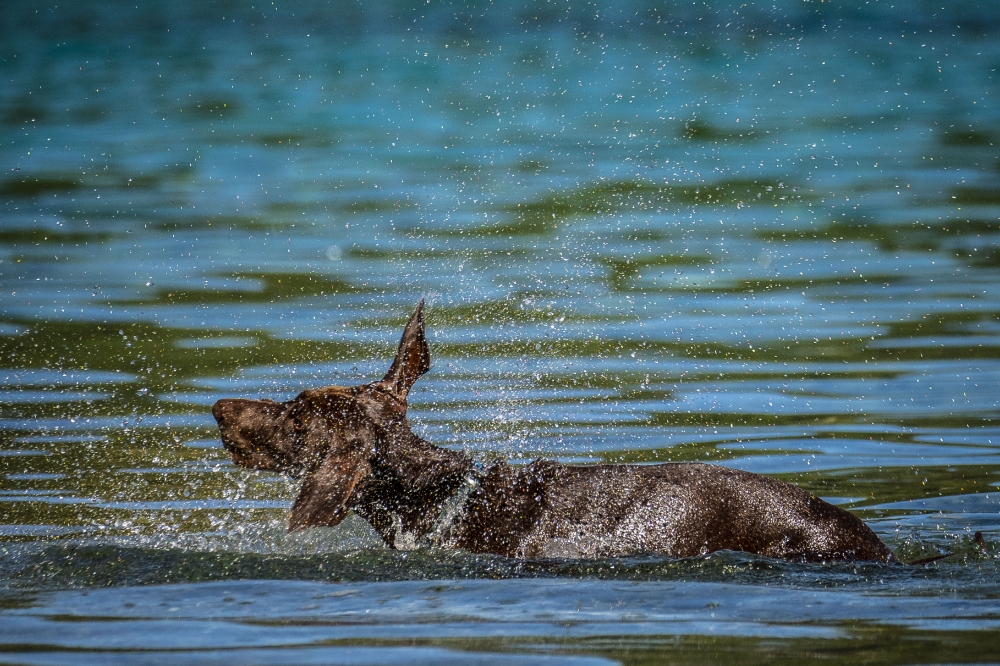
[221, 409]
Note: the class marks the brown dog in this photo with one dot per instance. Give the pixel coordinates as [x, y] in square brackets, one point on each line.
[355, 450]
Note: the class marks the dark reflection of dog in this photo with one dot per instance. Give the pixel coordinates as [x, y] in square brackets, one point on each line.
[354, 449]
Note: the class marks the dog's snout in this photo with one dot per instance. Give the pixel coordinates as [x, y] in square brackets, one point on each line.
[221, 409]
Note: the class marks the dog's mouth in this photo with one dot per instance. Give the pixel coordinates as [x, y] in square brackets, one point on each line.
[238, 425]
[240, 450]
[236, 450]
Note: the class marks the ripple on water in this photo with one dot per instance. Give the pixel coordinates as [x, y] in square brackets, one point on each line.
[637, 242]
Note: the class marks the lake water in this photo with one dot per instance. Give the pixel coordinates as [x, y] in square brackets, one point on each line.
[765, 236]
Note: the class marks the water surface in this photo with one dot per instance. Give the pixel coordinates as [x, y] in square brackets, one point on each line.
[763, 236]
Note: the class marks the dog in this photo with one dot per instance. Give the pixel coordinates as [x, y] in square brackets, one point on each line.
[355, 451]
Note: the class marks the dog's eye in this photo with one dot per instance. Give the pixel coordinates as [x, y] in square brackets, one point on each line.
[297, 424]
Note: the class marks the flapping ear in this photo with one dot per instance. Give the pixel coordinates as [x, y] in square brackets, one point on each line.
[413, 358]
[344, 439]
[325, 493]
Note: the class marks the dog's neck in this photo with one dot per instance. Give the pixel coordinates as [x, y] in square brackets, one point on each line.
[409, 486]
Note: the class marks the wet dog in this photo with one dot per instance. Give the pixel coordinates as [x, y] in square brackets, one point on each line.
[354, 450]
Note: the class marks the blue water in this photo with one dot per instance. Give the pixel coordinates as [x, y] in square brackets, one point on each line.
[764, 235]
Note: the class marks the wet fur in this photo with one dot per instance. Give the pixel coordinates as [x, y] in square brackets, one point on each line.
[354, 449]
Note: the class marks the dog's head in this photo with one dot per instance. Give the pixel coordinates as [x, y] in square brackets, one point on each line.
[327, 435]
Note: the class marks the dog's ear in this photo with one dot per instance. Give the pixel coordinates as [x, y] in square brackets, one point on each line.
[326, 491]
[343, 439]
[412, 359]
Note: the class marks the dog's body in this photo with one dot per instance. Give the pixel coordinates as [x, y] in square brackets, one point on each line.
[355, 450]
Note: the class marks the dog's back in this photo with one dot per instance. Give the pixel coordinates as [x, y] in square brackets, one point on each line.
[680, 510]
